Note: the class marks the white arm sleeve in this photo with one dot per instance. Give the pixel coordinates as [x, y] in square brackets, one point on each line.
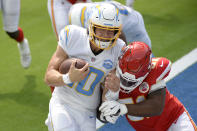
[110, 95]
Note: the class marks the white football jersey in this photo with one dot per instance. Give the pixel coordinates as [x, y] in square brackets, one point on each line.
[85, 94]
[132, 20]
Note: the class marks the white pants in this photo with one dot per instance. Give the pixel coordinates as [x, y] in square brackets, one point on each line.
[11, 12]
[63, 117]
[58, 11]
[183, 123]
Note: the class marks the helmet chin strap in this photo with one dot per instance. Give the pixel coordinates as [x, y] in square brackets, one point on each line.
[95, 49]
[126, 90]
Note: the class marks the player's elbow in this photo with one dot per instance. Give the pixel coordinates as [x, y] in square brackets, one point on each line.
[158, 108]
[158, 111]
[46, 79]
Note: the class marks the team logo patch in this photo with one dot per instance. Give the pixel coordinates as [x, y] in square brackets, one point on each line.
[144, 87]
[108, 64]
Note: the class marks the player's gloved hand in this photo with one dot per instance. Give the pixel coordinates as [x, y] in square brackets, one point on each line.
[112, 119]
[113, 108]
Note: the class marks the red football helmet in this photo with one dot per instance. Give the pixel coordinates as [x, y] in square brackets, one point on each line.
[134, 65]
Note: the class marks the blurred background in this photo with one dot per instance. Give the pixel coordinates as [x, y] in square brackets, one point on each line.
[24, 97]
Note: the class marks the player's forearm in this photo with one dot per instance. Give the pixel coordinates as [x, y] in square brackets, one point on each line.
[54, 78]
[152, 106]
[144, 109]
[104, 91]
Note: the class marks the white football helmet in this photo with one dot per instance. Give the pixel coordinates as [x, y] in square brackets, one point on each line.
[105, 17]
[79, 14]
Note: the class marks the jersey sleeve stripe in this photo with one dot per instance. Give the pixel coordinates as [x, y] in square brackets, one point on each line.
[53, 18]
[165, 72]
[83, 16]
[159, 85]
[66, 33]
[69, 19]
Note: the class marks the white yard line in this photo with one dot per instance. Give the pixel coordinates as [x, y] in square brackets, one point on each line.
[183, 63]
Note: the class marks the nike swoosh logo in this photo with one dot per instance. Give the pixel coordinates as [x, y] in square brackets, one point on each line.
[161, 64]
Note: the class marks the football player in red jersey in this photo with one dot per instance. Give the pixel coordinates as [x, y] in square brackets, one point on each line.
[143, 95]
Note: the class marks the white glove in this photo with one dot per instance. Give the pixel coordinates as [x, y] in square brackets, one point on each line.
[111, 119]
[102, 118]
[113, 108]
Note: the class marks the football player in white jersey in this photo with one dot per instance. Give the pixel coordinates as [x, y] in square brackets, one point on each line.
[58, 12]
[11, 12]
[77, 93]
[132, 21]
[133, 24]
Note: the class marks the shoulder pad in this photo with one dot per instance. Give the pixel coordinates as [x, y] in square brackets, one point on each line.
[160, 68]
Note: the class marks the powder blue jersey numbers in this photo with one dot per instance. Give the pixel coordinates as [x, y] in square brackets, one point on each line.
[87, 86]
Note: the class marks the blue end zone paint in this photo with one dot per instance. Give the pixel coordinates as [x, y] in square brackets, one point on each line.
[184, 87]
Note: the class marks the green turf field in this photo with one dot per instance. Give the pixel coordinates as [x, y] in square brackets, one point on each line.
[24, 97]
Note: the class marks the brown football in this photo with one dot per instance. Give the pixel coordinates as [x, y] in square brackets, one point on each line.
[65, 66]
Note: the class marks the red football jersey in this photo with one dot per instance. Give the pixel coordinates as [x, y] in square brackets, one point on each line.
[173, 107]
